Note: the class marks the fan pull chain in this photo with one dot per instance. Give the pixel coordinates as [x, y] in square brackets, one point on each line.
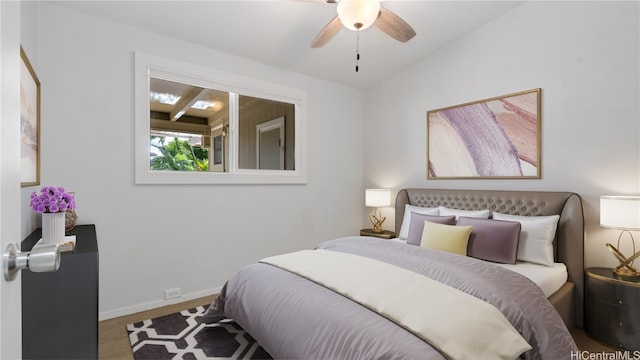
[357, 49]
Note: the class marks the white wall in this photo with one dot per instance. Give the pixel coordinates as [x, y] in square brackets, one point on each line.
[585, 57]
[153, 238]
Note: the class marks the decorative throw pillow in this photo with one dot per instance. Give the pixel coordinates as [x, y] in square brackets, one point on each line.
[442, 237]
[417, 225]
[406, 220]
[492, 240]
[445, 211]
[536, 237]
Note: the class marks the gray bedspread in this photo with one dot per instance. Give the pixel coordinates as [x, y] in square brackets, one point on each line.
[294, 318]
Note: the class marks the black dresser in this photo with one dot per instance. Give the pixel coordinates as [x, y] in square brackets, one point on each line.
[612, 309]
[60, 309]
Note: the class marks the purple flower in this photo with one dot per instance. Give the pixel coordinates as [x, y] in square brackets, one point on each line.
[51, 200]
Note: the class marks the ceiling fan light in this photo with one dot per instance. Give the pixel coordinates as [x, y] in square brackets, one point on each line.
[358, 14]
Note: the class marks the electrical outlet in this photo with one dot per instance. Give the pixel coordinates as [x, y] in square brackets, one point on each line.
[172, 293]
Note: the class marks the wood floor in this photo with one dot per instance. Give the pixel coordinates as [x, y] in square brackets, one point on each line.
[114, 342]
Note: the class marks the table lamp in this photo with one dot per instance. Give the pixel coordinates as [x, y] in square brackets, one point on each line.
[623, 213]
[377, 198]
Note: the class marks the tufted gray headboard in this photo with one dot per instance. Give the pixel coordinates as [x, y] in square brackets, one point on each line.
[568, 244]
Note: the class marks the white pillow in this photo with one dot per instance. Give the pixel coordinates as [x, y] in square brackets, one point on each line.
[406, 220]
[445, 211]
[536, 237]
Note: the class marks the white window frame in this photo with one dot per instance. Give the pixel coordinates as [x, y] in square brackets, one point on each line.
[149, 65]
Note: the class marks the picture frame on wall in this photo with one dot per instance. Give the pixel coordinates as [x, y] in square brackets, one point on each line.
[495, 138]
[29, 123]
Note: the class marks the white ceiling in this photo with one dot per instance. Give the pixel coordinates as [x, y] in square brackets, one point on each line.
[279, 33]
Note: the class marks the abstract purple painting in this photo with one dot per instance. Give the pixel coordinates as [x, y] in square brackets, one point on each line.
[29, 123]
[491, 138]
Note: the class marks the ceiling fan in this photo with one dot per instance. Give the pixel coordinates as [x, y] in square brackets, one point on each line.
[358, 15]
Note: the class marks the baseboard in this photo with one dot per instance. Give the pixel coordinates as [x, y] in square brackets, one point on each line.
[106, 315]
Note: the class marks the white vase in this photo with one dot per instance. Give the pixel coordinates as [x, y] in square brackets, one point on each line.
[53, 228]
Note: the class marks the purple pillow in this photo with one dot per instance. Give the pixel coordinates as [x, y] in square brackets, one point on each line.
[416, 226]
[492, 240]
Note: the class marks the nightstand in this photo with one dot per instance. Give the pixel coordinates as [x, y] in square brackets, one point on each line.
[60, 309]
[384, 234]
[612, 309]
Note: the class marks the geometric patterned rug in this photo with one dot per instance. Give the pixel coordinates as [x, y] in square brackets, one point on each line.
[183, 335]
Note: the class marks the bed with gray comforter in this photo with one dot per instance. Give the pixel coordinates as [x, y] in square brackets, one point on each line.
[295, 318]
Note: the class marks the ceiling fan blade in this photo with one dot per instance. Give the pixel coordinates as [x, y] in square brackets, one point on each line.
[327, 33]
[392, 25]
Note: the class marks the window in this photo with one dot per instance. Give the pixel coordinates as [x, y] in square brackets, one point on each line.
[197, 125]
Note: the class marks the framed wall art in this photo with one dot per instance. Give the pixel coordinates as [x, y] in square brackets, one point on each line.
[491, 138]
[29, 123]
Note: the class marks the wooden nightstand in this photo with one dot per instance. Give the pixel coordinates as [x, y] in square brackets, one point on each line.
[385, 234]
[612, 309]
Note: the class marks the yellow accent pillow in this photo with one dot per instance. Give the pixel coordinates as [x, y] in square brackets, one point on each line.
[449, 238]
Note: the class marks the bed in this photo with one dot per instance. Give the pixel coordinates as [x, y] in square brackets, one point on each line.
[365, 298]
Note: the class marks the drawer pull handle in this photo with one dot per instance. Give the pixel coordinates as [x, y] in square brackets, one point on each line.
[620, 302]
[620, 323]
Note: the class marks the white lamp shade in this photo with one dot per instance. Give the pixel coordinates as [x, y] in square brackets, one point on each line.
[620, 212]
[363, 12]
[377, 197]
